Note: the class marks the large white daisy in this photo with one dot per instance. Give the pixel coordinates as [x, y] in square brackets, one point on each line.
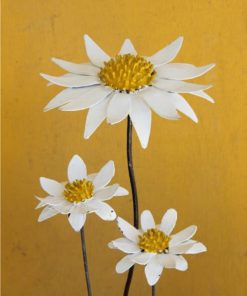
[154, 246]
[82, 194]
[127, 84]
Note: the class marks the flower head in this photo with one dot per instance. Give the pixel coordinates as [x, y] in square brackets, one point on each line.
[154, 246]
[127, 84]
[81, 194]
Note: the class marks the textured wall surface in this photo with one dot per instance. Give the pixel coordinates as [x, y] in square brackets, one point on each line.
[199, 169]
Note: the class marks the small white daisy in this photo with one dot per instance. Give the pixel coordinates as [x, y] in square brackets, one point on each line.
[154, 246]
[128, 84]
[81, 195]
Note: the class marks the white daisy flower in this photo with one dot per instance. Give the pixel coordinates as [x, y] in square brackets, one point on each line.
[128, 84]
[82, 194]
[154, 246]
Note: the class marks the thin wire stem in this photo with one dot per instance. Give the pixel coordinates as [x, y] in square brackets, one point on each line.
[84, 254]
[134, 195]
[153, 291]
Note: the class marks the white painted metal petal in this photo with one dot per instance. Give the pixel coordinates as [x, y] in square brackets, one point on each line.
[203, 94]
[105, 175]
[105, 212]
[77, 219]
[88, 99]
[168, 221]
[77, 169]
[167, 54]
[124, 264]
[141, 118]
[95, 116]
[178, 86]
[128, 230]
[147, 220]
[125, 245]
[66, 96]
[158, 102]
[47, 213]
[183, 235]
[95, 54]
[153, 271]
[127, 48]
[106, 193]
[118, 107]
[52, 187]
[180, 71]
[72, 80]
[183, 106]
[181, 263]
[82, 69]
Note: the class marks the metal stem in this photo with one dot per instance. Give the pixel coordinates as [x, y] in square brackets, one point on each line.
[134, 195]
[84, 254]
[153, 291]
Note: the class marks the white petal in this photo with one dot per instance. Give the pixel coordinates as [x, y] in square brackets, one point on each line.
[141, 118]
[202, 94]
[52, 187]
[125, 245]
[66, 96]
[88, 99]
[47, 213]
[179, 71]
[51, 200]
[124, 264]
[118, 108]
[183, 235]
[158, 101]
[91, 177]
[82, 69]
[127, 47]
[142, 258]
[179, 86]
[106, 193]
[121, 191]
[128, 230]
[182, 105]
[41, 203]
[167, 260]
[105, 212]
[180, 249]
[64, 207]
[181, 263]
[111, 245]
[72, 80]
[76, 169]
[77, 219]
[197, 248]
[168, 53]
[147, 220]
[153, 271]
[95, 117]
[105, 175]
[168, 221]
[96, 55]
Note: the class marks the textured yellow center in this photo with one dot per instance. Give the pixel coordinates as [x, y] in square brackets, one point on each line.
[154, 241]
[78, 191]
[127, 73]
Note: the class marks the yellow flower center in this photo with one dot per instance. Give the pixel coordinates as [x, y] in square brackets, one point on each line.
[78, 191]
[154, 241]
[127, 73]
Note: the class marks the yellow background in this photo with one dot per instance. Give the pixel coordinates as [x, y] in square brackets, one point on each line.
[198, 169]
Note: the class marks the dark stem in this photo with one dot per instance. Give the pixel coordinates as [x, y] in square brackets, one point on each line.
[84, 254]
[134, 195]
[153, 291]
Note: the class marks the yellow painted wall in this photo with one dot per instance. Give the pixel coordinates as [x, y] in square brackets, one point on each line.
[198, 169]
